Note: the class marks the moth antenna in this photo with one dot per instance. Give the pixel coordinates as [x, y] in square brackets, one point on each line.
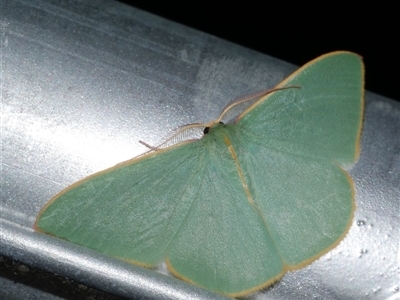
[147, 145]
[172, 140]
[259, 95]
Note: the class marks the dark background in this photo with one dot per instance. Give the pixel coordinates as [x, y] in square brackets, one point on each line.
[297, 33]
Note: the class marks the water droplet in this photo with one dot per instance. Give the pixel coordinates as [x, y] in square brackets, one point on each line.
[376, 290]
[362, 252]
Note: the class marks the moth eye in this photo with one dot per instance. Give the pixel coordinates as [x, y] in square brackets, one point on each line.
[207, 129]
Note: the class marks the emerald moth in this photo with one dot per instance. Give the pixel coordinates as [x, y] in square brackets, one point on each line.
[235, 210]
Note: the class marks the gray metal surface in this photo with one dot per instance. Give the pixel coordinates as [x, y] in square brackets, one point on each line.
[81, 84]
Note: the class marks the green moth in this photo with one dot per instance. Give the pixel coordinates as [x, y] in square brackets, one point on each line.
[235, 210]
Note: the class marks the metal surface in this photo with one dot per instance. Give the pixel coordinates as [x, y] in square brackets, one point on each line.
[82, 84]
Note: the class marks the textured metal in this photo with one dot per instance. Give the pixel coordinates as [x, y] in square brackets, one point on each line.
[82, 83]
